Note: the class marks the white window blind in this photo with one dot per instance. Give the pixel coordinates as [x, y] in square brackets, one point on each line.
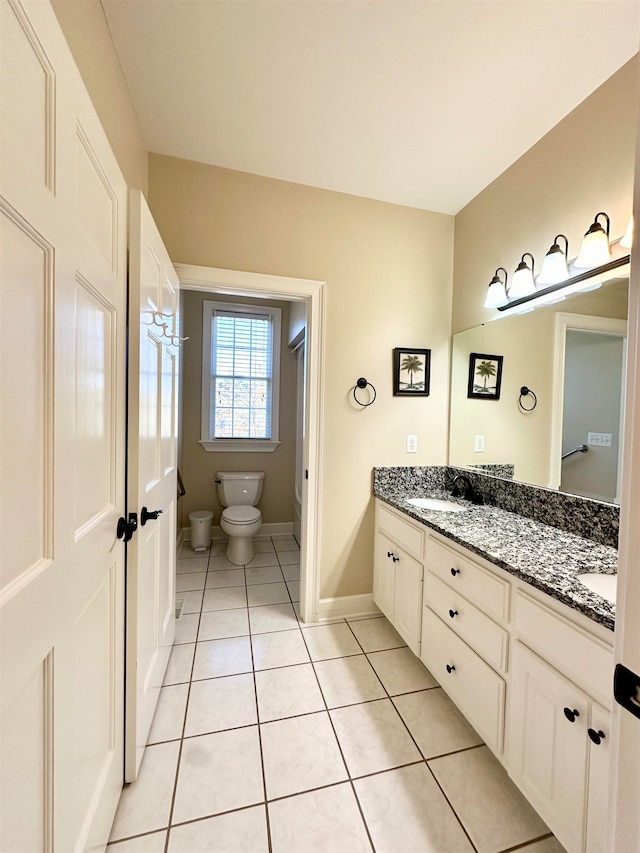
[241, 378]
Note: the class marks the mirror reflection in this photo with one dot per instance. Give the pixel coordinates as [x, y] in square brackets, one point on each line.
[572, 355]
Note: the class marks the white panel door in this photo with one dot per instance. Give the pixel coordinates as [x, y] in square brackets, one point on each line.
[153, 417]
[63, 210]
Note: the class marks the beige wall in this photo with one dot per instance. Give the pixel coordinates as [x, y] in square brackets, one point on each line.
[197, 466]
[388, 271]
[87, 33]
[583, 165]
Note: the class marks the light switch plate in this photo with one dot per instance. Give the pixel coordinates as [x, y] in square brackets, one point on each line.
[412, 444]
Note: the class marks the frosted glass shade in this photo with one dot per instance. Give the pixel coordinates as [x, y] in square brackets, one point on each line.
[522, 283]
[554, 268]
[496, 295]
[594, 251]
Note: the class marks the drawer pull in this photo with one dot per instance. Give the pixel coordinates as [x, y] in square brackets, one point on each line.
[455, 572]
[453, 613]
[571, 715]
[450, 668]
[393, 556]
[596, 736]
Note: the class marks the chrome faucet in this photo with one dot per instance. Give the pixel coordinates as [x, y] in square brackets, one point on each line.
[460, 481]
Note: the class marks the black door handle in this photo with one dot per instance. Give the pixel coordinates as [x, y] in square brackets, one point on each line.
[126, 528]
[148, 515]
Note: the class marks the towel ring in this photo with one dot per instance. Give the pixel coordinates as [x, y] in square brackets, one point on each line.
[362, 383]
[527, 392]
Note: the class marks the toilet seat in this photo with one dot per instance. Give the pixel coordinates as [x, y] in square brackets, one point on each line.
[241, 514]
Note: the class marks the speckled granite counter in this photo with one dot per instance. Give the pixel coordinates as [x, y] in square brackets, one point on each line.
[543, 556]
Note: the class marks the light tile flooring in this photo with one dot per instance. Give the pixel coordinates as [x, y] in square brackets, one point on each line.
[275, 736]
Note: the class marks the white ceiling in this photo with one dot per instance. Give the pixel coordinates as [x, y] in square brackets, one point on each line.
[416, 102]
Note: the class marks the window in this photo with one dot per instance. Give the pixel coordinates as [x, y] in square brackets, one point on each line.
[240, 376]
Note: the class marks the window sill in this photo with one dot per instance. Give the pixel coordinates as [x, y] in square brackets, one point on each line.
[242, 445]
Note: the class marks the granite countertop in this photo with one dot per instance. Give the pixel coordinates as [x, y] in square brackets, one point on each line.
[543, 556]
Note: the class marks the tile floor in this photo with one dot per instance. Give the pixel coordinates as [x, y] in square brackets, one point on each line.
[275, 736]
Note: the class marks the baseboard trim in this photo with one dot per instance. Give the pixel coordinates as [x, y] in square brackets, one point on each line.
[346, 607]
[282, 528]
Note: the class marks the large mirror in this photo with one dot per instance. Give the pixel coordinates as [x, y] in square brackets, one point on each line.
[572, 356]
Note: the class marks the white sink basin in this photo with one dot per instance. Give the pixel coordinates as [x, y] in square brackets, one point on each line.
[604, 585]
[435, 504]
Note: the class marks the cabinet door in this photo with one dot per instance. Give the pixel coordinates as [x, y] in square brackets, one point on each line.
[407, 608]
[547, 752]
[598, 780]
[384, 572]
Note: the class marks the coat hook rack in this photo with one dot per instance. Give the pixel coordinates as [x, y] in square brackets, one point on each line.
[527, 392]
[362, 383]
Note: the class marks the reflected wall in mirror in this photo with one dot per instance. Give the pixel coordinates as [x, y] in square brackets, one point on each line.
[534, 349]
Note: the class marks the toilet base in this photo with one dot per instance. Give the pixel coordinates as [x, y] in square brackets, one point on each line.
[240, 550]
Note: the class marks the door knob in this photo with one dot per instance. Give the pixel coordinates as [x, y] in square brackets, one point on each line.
[148, 515]
[127, 527]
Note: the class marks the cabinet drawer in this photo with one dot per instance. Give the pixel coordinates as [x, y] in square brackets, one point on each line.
[408, 537]
[487, 638]
[584, 659]
[474, 687]
[478, 585]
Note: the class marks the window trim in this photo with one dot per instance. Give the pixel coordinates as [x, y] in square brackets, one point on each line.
[244, 445]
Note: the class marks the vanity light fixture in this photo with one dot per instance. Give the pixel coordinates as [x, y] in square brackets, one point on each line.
[555, 267]
[497, 293]
[627, 241]
[522, 283]
[595, 250]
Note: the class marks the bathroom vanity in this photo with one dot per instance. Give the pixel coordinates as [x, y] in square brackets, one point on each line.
[492, 604]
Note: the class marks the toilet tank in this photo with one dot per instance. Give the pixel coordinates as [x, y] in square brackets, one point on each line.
[239, 488]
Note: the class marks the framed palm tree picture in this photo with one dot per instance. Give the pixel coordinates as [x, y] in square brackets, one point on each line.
[411, 372]
[485, 376]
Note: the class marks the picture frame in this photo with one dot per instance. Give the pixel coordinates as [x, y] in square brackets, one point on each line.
[485, 376]
[411, 372]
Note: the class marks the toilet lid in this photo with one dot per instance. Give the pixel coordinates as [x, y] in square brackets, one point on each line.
[241, 514]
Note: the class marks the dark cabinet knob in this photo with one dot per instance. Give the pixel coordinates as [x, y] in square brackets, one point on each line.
[596, 736]
[571, 715]
[393, 556]
[450, 668]
[455, 572]
[127, 527]
[453, 613]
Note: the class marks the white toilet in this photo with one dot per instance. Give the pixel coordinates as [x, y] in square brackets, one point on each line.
[239, 492]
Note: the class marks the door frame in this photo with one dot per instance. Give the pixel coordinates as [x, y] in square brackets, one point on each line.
[313, 293]
[585, 323]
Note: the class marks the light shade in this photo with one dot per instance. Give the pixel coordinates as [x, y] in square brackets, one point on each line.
[522, 283]
[497, 293]
[594, 251]
[554, 267]
[627, 241]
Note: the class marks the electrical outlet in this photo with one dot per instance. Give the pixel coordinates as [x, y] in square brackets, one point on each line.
[478, 445]
[412, 444]
[599, 439]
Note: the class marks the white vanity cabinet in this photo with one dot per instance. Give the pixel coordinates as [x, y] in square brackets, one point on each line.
[464, 640]
[398, 572]
[558, 732]
[533, 676]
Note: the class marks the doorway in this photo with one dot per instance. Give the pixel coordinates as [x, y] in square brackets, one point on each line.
[312, 295]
